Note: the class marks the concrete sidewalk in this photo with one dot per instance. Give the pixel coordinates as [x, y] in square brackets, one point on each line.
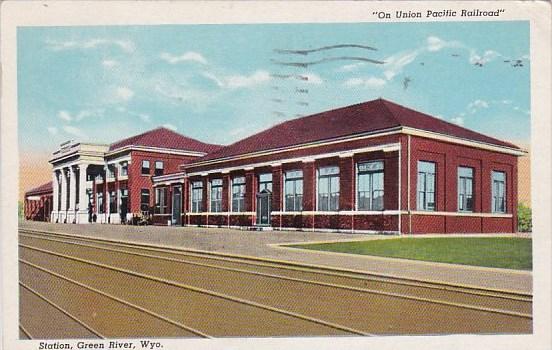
[265, 244]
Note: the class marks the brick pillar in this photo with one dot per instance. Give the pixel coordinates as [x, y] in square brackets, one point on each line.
[277, 195]
[250, 190]
[309, 186]
[346, 186]
[226, 192]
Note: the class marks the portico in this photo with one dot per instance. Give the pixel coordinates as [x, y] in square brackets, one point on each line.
[75, 165]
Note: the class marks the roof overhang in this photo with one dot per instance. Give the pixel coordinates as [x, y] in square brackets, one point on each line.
[154, 149]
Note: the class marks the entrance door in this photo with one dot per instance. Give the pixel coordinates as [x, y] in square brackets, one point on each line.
[177, 206]
[263, 207]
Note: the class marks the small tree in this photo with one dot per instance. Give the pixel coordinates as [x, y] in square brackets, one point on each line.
[525, 223]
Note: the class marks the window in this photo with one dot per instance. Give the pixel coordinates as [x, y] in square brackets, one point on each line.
[161, 200]
[238, 194]
[499, 192]
[328, 189]
[158, 168]
[145, 167]
[293, 188]
[370, 186]
[426, 185]
[110, 172]
[100, 202]
[465, 189]
[112, 202]
[124, 169]
[216, 196]
[265, 182]
[144, 200]
[197, 196]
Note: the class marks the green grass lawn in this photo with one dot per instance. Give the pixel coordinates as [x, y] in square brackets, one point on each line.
[503, 252]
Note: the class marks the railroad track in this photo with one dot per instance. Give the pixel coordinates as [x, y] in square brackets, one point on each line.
[359, 304]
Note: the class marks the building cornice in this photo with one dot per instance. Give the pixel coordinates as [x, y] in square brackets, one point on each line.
[155, 150]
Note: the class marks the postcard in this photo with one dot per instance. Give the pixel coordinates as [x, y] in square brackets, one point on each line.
[275, 174]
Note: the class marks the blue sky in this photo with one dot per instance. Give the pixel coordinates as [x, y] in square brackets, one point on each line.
[220, 83]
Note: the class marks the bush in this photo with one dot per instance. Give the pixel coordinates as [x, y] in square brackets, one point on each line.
[525, 223]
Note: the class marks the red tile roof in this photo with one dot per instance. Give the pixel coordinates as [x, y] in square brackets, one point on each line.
[165, 138]
[365, 117]
[42, 189]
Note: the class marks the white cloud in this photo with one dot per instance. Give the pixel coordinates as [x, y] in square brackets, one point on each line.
[64, 115]
[488, 56]
[371, 82]
[170, 126]
[52, 130]
[125, 45]
[435, 44]
[109, 63]
[124, 93]
[396, 63]
[476, 105]
[457, 120]
[351, 67]
[241, 81]
[187, 56]
[71, 130]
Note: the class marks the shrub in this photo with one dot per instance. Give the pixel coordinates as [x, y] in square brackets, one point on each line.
[525, 223]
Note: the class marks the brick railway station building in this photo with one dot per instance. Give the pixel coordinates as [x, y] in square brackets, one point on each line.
[371, 167]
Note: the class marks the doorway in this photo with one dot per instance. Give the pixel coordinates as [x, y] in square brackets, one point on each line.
[263, 207]
[177, 206]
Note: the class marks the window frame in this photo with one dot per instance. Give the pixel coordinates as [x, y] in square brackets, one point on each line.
[124, 168]
[264, 184]
[216, 203]
[196, 203]
[144, 161]
[296, 199]
[158, 171]
[494, 195]
[462, 195]
[330, 194]
[371, 175]
[113, 202]
[161, 200]
[238, 198]
[425, 206]
[145, 192]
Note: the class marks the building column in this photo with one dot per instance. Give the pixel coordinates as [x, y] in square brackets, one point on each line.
[72, 189]
[63, 190]
[83, 198]
[55, 192]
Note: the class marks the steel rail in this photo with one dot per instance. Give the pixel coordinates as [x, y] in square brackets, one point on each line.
[62, 310]
[326, 284]
[112, 297]
[509, 295]
[26, 332]
[202, 291]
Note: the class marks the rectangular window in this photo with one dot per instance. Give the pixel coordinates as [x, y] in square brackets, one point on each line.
[145, 200]
[370, 186]
[426, 185]
[216, 196]
[238, 194]
[124, 169]
[499, 192]
[197, 196]
[100, 203]
[161, 200]
[328, 189]
[465, 189]
[112, 202]
[110, 172]
[265, 182]
[293, 188]
[145, 167]
[158, 168]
